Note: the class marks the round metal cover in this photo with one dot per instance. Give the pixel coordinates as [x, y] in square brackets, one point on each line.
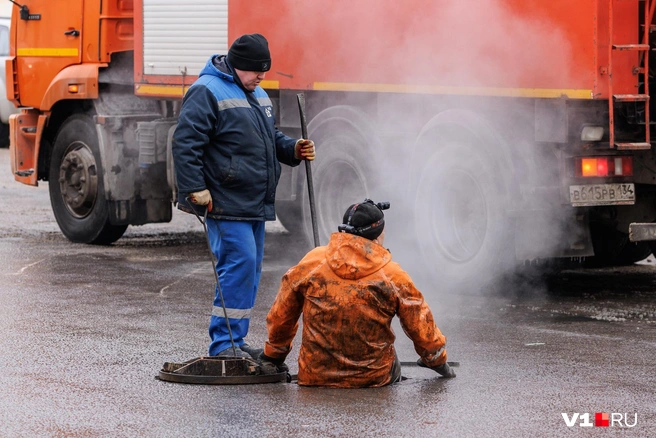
[218, 371]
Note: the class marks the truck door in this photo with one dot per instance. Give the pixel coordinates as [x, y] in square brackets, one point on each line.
[46, 43]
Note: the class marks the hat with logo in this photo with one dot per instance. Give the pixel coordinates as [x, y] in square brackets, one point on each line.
[250, 53]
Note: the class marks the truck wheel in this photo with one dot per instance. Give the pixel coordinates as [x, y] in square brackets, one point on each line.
[634, 252]
[4, 135]
[289, 214]
[613, 247]
[460, 205]
[341, 177]
[76, 187]
[652, 248]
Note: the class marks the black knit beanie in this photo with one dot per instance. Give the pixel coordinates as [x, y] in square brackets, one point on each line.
[364, 219]
[250, 53]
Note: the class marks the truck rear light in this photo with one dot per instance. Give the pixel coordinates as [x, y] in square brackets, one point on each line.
[627, 166]
[604, 166]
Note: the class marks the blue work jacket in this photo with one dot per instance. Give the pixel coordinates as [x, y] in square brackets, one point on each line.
[227, 141]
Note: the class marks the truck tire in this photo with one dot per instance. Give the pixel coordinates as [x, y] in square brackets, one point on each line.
[76, 187]
[342, 172]
[289, 214]
[460, 207]
[634, 252]
[341, 176]
[652, 248]
[613, 247]
[4, 135]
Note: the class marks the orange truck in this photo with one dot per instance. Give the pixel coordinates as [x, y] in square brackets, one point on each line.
[500, 130]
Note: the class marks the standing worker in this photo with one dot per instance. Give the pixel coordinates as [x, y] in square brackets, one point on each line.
[348, 292]
[227, 152]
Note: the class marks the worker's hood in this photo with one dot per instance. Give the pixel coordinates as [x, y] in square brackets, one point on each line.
[353, 257]
[218, 66]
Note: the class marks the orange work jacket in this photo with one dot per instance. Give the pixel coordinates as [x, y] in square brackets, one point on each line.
[348, 293]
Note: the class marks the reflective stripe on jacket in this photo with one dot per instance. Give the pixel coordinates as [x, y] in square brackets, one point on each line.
[348, 293]
[227, 141]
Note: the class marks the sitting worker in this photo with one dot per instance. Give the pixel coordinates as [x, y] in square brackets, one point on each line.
[348, 293]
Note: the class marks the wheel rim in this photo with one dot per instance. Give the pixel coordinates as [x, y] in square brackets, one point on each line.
[457, 215]
[78, 180]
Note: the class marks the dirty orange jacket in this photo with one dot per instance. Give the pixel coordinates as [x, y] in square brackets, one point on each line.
[348, 293]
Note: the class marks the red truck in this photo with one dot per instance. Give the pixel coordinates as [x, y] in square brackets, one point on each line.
[500, 130]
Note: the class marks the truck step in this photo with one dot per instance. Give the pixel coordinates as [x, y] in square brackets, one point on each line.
[631, 47]
[632, 146]
[631, 97]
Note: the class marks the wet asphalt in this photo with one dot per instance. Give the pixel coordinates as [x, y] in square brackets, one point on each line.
[84, 330]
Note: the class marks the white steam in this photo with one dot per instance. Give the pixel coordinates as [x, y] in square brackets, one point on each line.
[451, 53]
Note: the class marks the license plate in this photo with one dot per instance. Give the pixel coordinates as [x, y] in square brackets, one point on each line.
[602, 194]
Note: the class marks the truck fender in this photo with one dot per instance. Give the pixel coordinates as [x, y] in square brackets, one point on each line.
[84, 76]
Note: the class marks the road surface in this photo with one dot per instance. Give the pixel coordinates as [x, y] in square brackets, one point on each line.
[85, 330]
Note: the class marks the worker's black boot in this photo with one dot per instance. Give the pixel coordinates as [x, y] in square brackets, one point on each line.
[229, 352]
[253, 352]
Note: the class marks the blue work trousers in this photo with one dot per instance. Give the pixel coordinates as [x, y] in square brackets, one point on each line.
[238, 247]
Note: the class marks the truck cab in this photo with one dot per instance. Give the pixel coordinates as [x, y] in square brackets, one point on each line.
[7, 108]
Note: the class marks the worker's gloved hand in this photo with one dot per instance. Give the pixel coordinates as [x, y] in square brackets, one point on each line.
[443, 370]
[269, 365]
[304, 150]
[202, 198]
